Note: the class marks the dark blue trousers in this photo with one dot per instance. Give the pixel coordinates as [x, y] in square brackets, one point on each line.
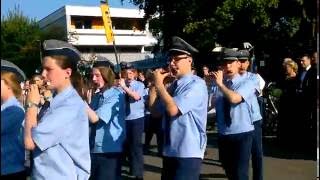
[134, 147]
[257, 151]
[234, 154]
[17, 176]
[175, 168]
[105, 166]
[153, 126]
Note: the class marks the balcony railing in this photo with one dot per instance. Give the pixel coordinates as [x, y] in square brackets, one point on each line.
[102, 31]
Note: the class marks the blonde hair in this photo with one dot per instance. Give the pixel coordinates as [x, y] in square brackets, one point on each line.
[12, 81]
[285, 60]
[292, 64]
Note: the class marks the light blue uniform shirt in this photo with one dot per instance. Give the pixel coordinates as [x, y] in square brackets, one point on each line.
[255, 108]
[135, 109]
[62, 139]
[12, 150]
[240, 113]
[110, 129]
[214, 88]
[186, 133]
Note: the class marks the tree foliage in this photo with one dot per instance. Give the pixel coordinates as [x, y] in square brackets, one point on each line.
[20, 40]
[274, 27]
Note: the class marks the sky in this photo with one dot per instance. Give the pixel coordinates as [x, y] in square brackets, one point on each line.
[39, 9]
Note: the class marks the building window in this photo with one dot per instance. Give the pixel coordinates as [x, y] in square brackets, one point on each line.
[136, 24]
[81, 23]
[87, 24]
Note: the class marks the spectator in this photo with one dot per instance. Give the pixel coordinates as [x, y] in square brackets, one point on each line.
[308, 106]
[194, 71]
[314, 59]
[208, 79]
[288, 122]
[24, 93]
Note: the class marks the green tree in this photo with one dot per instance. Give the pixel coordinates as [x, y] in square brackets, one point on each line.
[20, 40]
[205, 22]
[274, 27]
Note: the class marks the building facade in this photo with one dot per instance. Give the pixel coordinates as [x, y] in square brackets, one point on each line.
[83, 27]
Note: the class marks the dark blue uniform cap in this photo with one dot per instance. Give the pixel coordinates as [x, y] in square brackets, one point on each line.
[243, 54]
[102, 61]
[54, 47]
[11, 67]
[178, 45]
[230, 54]
[126, 65]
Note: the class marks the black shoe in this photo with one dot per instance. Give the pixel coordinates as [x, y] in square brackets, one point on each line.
[138, 178]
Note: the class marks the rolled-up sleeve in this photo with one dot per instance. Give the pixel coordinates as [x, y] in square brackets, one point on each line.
[53, 125]
[246, 90]
[191, 97]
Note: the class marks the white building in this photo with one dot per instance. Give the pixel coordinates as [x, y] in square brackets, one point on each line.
[83, 27]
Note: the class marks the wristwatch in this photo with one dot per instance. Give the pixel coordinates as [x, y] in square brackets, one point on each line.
[31, 104]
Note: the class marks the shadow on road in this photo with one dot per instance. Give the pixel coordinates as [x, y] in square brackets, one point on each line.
[152, 153]
[210, 176]
[154, 169]
[272, 148]
[212, 139]
[211, 162]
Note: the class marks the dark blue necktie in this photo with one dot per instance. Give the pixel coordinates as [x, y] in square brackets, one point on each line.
[227, 106]
[303, 75]
[45, 106]
[43, 109]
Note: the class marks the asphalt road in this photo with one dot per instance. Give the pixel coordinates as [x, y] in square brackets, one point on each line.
[279, 163]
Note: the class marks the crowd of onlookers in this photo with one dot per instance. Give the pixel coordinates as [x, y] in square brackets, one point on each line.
[298, 103]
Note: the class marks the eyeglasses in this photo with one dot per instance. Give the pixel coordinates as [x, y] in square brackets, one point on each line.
[177, 58]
